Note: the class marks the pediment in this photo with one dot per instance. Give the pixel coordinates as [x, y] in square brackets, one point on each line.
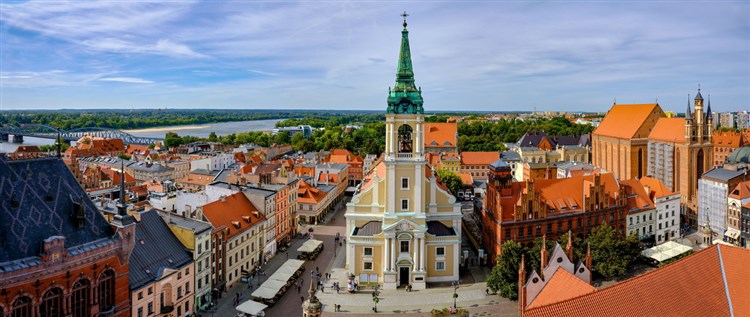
[405, 225]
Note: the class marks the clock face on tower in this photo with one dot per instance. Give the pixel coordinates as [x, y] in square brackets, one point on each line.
[404, 106]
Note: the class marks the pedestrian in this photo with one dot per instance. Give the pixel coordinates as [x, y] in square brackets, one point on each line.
[486, 291]
[317, 269]
[337, 289]
[299, 288]
[302, 298]
[287, 255]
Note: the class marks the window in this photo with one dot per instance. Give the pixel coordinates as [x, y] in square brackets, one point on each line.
[440, 266]
[179, 275]
[368, 266]
[107, 290]
[150, 291]
[150, 308]
[179, 291]
[440, 251]
[404, 204]
[530, 230]
[187, 287]
[140, 311]
[52, 303]
[404, 183]
[140, 295]
[368, 251]
[507, 233]
[22, 307]
[81, 298]
[187, 307]
[405, 246]
[187, 271]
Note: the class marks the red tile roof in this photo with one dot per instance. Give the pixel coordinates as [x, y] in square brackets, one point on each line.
[479, 158]
[702, 284]
[658, 189]
[562, 286]
[440, 134]
[669, 130]
[232, 210]
[741, 191]
[623, 121]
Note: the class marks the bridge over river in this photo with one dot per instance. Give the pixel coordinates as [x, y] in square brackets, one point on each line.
[16, 133]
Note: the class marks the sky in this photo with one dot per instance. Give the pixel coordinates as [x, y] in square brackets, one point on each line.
[471, 55]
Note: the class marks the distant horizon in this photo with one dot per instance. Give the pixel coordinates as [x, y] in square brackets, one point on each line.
[482, 56]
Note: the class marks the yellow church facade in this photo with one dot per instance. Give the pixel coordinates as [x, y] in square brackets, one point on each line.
[403, 225]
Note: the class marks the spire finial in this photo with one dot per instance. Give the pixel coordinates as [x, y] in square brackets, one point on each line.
[699, 84]
[404, 15]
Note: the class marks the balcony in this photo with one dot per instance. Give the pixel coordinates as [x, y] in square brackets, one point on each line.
[404, 155]
[166, 309]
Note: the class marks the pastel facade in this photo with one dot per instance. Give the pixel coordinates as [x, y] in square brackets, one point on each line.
[403, 226]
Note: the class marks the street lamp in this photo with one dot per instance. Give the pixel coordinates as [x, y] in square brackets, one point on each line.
[455, 294]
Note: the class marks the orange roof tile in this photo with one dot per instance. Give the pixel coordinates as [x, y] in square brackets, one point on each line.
[696, 285]
[637, 196]
[561, 286]
[669, 130]
[741, 191]
[309, 194]
[727, 139]
[378, 170]
[479, 158]
[438, 134]
[623, 121]
[233, 209]
[466, 178]
[658, 189]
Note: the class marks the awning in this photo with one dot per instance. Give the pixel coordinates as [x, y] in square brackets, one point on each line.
[732, 233]
[310, 246]
[251, 307]
[665, 251]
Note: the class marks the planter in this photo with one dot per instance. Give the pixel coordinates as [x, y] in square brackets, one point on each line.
[445, 312]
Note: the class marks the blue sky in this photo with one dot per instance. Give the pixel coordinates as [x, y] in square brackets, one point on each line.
[484, 56]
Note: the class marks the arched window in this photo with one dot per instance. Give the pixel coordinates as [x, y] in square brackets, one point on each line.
[699, 166]
[106, 291]
[640, 163]
[404, 138]
[52, 303]
[22, 307]
[80, 302]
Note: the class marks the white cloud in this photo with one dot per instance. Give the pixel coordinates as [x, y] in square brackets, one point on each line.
[130, 80]
[260, 72]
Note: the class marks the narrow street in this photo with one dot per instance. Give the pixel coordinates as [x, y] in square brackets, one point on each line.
[290, 303]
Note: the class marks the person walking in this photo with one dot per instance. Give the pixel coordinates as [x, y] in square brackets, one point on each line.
[302, 298]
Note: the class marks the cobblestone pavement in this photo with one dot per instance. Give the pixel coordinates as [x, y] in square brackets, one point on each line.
[290, 303]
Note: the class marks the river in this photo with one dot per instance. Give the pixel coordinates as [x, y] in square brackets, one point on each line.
[199, 130]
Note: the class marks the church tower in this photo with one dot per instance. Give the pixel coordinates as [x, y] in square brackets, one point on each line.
[403, 225]
[694, 156]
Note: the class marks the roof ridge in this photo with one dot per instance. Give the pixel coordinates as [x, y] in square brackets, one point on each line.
[617, 285]
[724, 279]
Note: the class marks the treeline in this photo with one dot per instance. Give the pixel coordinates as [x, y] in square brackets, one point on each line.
[131, 119]
[490, 136]
[369, 136]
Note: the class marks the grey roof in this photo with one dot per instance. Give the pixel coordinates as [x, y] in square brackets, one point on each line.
[194, 225]
[336, 167]
[698, 96]
[510, 156]
[369, 229]
[326, 188]
[723, 175]
[204, 171]
[222, 176]
[145, 167]
[156, 248]
[244, 188]
[437, 228]
[688, 114]
[499, 163]
[708, 111]
[38, 199]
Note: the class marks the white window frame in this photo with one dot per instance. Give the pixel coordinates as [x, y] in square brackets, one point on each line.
[436, 266]
[408, 183]
[364, 252]
[402, 204]
[364, 266]
[438, 253]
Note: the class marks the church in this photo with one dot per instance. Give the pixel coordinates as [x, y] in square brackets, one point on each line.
[403, 225]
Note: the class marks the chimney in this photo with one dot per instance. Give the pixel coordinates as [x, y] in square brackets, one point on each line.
[246, 218]
[237, 224]
[223, 198]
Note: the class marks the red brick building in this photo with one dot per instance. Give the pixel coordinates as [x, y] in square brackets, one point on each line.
[524, 211]
[58, 255]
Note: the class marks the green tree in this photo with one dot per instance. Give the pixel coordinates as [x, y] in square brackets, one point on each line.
[451, 180]
[212, 137]
[612, 253]
[504, 276]
[171, 139]
[124, 156]
[298, 141]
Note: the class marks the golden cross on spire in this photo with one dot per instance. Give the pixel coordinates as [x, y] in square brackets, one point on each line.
[404, 15]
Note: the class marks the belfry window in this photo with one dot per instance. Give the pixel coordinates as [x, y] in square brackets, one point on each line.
[405, 139]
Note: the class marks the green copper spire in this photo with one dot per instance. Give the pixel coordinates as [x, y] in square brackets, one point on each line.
[405, 98]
